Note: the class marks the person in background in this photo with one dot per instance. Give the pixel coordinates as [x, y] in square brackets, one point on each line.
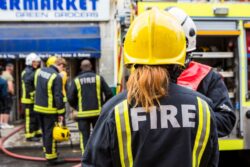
[32, 126]
[204, 79]
[64, 76]
[7, 75]
[64, 84]
[49, 104]
[86, 95]
[3, 95]
[155, 121]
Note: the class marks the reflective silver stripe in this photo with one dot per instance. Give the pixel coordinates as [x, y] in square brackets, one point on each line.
[124, 134]
[202, 133]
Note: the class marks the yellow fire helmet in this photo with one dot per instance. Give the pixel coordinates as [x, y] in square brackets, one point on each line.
[154, 38]
[51, 60]
[61, 133]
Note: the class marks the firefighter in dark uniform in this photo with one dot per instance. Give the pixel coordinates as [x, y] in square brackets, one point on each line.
[32, 126]
[49, 104]
[156, 122]
[204, 79]
[87, 94]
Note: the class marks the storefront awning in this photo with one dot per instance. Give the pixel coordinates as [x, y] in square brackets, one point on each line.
[67, 40]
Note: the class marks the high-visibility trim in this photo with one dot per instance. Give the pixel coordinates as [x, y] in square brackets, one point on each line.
[79, 93]
[54, 147]
[65, 99]
[27, 122]
[46, 110]
[119, 135]
[29, 135]
[89, 113]
[124, 134]
[38, 132]
[50, 94]
[36, 76]
[27, 101]
[231, 144]
[207, 131]
[218, 32]
[98, 91]
[202, 133]
[81, 140]
[61, 111]
[51, 156]
[128, 132]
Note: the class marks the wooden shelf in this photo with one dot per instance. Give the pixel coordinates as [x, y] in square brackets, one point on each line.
[212, 55]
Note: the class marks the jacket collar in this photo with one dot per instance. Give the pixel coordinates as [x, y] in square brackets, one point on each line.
[54, 67]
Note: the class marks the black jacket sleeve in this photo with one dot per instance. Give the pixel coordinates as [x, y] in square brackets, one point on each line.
[72, 95]
[100, 146]
[98, 151]
[106, 90]
[214, 88]
[29, 82]
[57, 92]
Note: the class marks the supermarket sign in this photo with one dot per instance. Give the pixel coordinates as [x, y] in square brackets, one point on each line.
[54, 10]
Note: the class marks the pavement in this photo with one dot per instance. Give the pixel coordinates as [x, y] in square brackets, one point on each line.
[18, 140]
[16, 145]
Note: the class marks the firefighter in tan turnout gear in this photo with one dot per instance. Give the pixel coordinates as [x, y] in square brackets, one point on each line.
[87, 94]
[155, 122]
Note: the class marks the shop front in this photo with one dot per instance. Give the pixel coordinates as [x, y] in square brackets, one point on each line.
[71, 29]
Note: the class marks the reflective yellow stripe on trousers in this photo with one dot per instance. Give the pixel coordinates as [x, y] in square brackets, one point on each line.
[202, 133]
[124, 134]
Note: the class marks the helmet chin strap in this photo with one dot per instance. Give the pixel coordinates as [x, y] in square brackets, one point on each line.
[188, 59]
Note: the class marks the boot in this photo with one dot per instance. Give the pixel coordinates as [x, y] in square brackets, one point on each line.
[56, 161]
[33, 139]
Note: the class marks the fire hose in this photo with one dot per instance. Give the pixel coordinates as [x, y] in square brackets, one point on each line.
[24, 157]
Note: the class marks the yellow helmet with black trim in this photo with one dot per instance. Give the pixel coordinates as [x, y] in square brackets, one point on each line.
[61, 133]
[51, 60]
[154, 38]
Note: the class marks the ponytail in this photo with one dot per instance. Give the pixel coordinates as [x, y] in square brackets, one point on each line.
[147, 84]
